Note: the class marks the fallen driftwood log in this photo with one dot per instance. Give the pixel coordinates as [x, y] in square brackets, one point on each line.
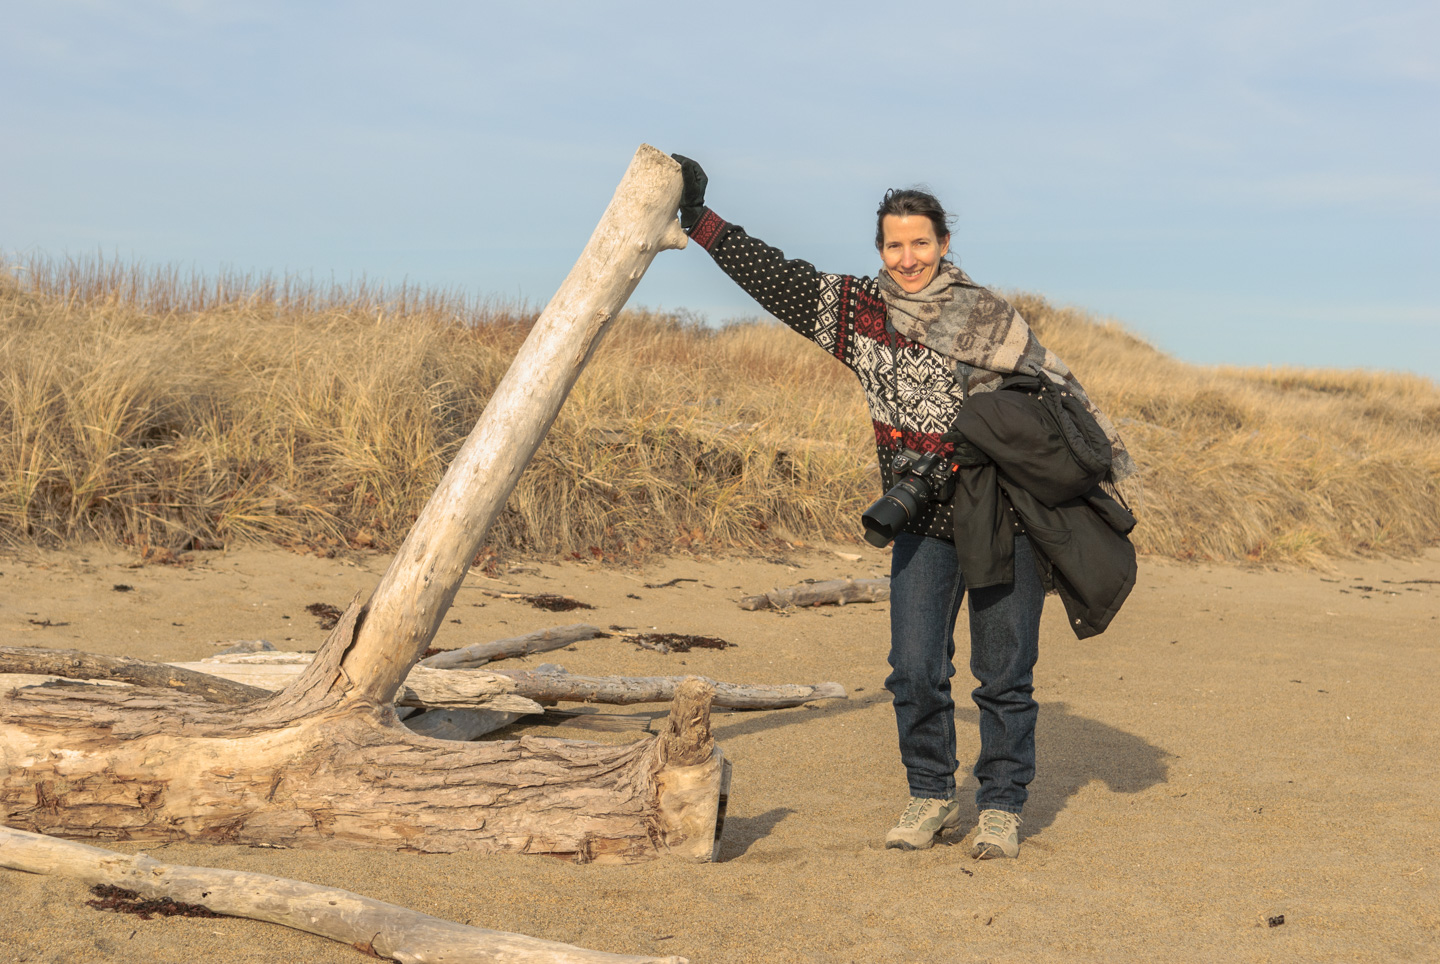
[255, 675]
[384, 930]
[563, 687]
[478, 654]
[489, 689]
[423, 687]
[837, 592]
[325, 762]
[73, 664]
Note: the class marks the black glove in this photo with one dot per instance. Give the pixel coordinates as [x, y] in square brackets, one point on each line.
[692, 197]
[965, 453]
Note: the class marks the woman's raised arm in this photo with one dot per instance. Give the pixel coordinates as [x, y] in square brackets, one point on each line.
[789, 289]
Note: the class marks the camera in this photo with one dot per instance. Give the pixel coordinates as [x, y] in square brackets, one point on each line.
[919, 480]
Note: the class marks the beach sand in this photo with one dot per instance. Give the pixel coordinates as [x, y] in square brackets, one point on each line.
[1242, 744]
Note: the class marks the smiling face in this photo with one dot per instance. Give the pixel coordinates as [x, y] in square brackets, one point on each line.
[910, 250]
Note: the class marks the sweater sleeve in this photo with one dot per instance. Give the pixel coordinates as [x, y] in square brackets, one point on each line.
[788, 289]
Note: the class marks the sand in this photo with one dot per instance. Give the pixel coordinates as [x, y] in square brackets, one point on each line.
[1242, 744]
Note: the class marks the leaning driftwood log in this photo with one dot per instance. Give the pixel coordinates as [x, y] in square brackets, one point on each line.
[836, 592]
[542, 640]
[385, 930]
[325, 762]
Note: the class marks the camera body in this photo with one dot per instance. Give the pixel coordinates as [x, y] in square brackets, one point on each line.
[920, 478]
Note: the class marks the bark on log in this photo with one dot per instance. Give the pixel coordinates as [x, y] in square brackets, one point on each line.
[73, 664]
[589, 719]
[388, 930]
[325, 762]
[686, 799]
[9, 682]
[622, 690]
[152, 765]
[501, 691]
[424, 687]
[487, 689]
[478, 654]
[837, 592]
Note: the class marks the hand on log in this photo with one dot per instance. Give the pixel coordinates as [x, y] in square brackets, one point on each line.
[836, 592]
[386, 930]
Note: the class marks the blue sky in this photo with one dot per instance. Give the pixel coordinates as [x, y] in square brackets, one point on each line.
[1247, 183]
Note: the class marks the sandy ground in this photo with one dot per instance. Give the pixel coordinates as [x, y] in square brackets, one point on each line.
[1242, 744]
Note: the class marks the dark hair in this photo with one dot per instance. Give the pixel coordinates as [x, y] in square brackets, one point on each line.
[906, 202]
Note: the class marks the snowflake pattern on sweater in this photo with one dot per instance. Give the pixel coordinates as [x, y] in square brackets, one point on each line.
[911, 390]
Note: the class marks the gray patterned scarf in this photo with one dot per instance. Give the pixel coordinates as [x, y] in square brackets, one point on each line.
[985, 339]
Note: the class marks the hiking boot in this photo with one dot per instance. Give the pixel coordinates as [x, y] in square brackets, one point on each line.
[998, 835]
[923, 821]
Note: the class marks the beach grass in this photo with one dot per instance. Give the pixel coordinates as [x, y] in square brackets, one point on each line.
[169, 412]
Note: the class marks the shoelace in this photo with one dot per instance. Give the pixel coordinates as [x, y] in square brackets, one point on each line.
[997, 823]
[912, 813]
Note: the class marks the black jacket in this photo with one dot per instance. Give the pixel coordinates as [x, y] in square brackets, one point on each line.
[1079, 532]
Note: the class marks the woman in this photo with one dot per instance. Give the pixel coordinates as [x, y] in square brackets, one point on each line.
[922, 338]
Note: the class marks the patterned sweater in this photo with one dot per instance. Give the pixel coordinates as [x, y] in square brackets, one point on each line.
[911, 390]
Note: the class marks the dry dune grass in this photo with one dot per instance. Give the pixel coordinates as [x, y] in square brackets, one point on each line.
[165, 411]
[1272, 465]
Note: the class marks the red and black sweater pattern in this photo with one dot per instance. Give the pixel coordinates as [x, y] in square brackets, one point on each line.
[911, 390]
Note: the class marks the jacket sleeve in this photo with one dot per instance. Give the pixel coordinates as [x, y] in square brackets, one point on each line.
[788, 289]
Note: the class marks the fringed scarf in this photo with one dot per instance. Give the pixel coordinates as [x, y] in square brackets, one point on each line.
[985, 339]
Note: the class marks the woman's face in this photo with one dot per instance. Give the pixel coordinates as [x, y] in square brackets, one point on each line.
[911, 251]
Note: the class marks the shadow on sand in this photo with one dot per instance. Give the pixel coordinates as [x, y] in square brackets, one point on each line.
[741, 832]
[728, 726]
[1071, 751]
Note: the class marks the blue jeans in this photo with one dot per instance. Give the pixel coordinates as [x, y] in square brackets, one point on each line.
[926, 587]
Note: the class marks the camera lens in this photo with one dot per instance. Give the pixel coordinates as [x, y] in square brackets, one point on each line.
[893, 509]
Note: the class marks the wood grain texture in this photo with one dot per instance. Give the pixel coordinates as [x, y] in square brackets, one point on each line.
[542, 640]
[387, 930]
[831, 592]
